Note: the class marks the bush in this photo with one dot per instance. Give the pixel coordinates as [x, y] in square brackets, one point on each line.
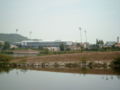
[6, 52]
[5, 58]
[44, 52]
[6, 46]
[116, 63]
[71, 65]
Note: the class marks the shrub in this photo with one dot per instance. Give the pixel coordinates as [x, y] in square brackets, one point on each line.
[116, 63]
[5, 58]
[6, 52]
[44, 52]
[56, 64]
[71, 65]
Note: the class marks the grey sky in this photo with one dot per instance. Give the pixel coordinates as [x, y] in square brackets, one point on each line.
[60, 19]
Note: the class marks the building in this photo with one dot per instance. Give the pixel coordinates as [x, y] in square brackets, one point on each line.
[2, 42]
[53, 49]
[117, 45]
[93, 47]
[109, 44]
[39, 44]
[86, 45]
[13, 46]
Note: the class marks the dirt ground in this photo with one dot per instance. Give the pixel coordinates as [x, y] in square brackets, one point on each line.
[90, 56]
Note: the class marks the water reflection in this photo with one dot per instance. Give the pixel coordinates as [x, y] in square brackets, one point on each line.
[19, 79]
[5, 69]
[77, 70]
[59, 78]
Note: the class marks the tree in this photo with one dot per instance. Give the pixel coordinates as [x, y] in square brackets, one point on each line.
[62, 47]
[1, 46]
[40, 47]
[99, 43]
[6, 46]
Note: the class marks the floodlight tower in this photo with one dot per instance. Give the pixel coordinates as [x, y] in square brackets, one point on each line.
[30, 33]
[80, 34]
[17, 31]
[85, 35]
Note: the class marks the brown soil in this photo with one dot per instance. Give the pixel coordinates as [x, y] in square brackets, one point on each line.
[90, 56]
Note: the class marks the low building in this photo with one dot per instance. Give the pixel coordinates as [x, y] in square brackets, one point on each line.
[86, 45]
[109, 44]
[53, 49]
[13, 46]
[2, 42]
[74, 47]
[117, 45]
[93, 46]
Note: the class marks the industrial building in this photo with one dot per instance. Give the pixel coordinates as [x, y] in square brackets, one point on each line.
[38, 44]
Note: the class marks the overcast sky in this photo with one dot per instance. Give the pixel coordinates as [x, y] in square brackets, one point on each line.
[60, 19]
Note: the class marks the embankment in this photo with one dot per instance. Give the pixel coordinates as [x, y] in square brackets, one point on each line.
[75, 59]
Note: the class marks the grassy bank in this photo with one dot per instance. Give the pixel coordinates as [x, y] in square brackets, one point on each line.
[4, 60]
[74, 57]
[84, 60]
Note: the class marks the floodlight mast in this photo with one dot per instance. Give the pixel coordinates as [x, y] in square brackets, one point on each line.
[30, 34]
[80, 34]
[17, 31]
[86, 35]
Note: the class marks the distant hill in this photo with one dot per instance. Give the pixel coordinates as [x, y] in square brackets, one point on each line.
[12, 37]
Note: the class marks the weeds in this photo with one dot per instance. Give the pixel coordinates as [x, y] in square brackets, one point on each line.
[116, 62]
